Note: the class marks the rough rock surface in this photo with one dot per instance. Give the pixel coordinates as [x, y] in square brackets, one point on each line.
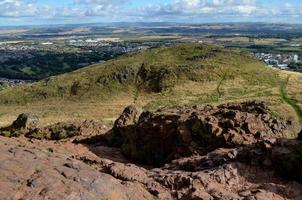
[262, 167]
[27, 125]
[129, 117]
[23, 122]
[173, 132]
[35, 169]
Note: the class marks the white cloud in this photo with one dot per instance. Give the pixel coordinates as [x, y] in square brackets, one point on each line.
[17, 8]
[23, 8]
[100, 7]
[201, 7]
[99, 2]
[225, 10]
[177, 10]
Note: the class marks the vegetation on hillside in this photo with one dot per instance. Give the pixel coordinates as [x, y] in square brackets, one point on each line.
[154, 71]
[177, 75]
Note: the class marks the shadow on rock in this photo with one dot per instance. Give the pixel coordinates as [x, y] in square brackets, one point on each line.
[174, 132]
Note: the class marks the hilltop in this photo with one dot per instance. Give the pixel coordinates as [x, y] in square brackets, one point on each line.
[175, 75]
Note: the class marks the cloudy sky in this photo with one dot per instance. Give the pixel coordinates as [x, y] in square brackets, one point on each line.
[24, 12]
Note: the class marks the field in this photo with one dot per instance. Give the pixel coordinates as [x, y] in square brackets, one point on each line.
[259, 44]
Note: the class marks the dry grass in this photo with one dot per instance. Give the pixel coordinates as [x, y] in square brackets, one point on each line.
[234, 39]
[188, 93]
[268, 41]
[247, 40]
[52, 111]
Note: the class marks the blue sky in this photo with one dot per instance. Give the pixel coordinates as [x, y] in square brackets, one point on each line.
[27, 12]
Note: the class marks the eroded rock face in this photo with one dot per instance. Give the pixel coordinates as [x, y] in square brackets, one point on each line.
[208, 164]
[123, 126]
[21, 125]
[25, 120]
[173, 132]
[27, 125]
[128, 117]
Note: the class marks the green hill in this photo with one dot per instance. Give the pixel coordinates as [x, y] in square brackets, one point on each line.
[181, 74]
[156, 70]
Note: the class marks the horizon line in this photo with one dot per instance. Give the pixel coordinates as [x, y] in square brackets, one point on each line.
[147, 22]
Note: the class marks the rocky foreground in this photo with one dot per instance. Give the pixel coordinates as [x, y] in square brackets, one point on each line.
[231, 151]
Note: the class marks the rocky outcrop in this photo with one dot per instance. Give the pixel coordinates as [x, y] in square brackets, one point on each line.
[123, 126]
[45, 170]
[55, 132]
[48, 171]
[21, 125]
[25, 120]
[247, 172]
[129, 117]
[27, 125]
[173, 132]
[199, 158]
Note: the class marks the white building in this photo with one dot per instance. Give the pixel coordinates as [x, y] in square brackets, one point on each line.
[47, 43]
[296, 58]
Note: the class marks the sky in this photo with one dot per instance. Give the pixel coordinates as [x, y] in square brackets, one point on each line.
[40, 12]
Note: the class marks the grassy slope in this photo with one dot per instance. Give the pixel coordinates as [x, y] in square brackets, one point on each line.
[293, 92]
[183, 74]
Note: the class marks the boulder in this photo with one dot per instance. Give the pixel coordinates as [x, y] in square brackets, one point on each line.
[129, 117]
[123, 126]
[25, 121]
[21, 125]
[172, 132]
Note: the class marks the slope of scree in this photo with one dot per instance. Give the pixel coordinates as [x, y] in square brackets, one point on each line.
[151, 71]
[173, 132]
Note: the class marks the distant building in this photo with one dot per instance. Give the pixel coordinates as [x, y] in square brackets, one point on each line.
[271, 62]
[283, 66]
[296, 58]
[47, 43]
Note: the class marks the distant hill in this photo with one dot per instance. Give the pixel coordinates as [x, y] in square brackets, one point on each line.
[153, 71]
[181, 74]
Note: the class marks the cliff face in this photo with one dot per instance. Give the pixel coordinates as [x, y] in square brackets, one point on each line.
[230, 151]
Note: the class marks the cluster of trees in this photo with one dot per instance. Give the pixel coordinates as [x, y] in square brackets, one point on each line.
[44, 64]
[296, 66]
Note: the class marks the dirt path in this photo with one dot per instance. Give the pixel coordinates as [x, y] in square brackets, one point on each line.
[289, 100]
